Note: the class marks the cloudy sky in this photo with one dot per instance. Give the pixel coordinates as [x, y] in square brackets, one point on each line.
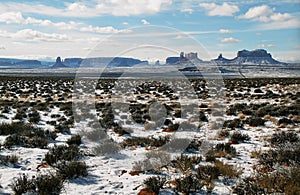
[81, 28]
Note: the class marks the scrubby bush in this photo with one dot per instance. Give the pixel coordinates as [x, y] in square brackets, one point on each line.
[49, 184]
[146, 141]
[225, 148]
[284, 181]
[43, 184]
[208, 173]
[284, 154]
[11, 159]
[188, 184]
[227, 170]
[154, 183]
[26, 135]
[62, 153]
[194, 146]
[106, 148]
[72, 169]
[34, 116]
[185, 163]
[255, 121]
[283, 138]
[285, 120]
[75, 139]
[237, 137]
[153, 162]
[22, 185]
[232, 124]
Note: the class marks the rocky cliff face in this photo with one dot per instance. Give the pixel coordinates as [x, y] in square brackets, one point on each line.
[58, 63]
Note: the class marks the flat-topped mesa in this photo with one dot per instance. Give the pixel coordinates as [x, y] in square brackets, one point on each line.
[255, 57]
[255, 53]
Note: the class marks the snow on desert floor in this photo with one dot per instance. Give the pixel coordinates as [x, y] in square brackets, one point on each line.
[152, 136]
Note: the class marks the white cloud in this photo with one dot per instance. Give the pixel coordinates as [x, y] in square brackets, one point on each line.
[264, 13]
[224, 31]
[2, 47]
[12, 17]
[225, 9]
[187, 10]
[229, 40]
[17, 18]
[77, 7]
[33, 35]
[107, 7]
[270, 18]
[266, 46]
[125, 23]
[145, 21]
[107, 29]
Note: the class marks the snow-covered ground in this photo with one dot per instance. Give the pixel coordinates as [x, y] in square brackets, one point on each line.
[141, 108]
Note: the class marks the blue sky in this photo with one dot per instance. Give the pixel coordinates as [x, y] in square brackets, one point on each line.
[84, 28]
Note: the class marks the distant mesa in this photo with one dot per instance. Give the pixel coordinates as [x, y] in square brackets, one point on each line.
[183, 58]
[58, 64]
[255, 57]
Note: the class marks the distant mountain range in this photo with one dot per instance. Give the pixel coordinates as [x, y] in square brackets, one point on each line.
[244, 57]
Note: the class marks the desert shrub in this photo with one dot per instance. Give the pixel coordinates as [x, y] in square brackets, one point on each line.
[153, 162]
[185, 164]
[34, 116]
[234, 109]
[188, 184]
[202, 117]
[43, 184]
[62, 153]
[255, 121]
[11, 159]
[284, 181]
[49, 184]
[284, 154]
[207, 173]
[283, 138]
[63, 128]
[146, 141]
[194, 146]
[159, 157]
[7, 129]
[120, 130]
[227, 170]
[144, 166]
[28, 136]
[249, 186]
[22, 185]
[173, 127]
[20, 116]
[285, 120]
[258, 90]
[223, 133]
[226, 148]
[232, 124]
[154, 183]
[106, 148]
[238, 137]
[72, 169]
[210, 156]
[75, 139]
[95, 134]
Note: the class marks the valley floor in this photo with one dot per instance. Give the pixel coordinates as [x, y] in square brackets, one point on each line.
[155, 136]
